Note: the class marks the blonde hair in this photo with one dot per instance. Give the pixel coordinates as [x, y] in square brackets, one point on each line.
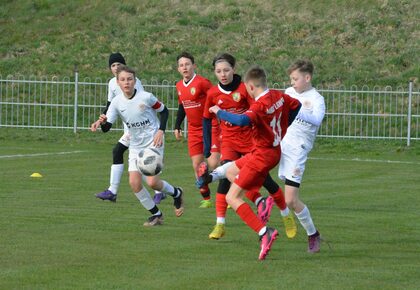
[302, 65]
[257, 75]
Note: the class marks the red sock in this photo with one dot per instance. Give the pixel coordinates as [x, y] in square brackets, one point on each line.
[205, 192]
[245, 212]
[221, 205]
[252, 195]
[279, 199]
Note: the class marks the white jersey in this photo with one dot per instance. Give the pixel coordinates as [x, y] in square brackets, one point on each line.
[300, 136]
[311, 113]
[114, 89]
[139, 115]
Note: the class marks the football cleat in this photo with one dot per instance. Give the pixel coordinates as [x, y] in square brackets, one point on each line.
[159, 196]
[314, 243]
[206, 203]
[218, 231]
[290, 226]
[179, 203]
[264, 209]
[107, 195]
[154, 220]
[202, 175]
[267, 241]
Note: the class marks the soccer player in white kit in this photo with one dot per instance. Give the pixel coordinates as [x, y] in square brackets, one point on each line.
[117, 167]
[137, 110]
[298, 142]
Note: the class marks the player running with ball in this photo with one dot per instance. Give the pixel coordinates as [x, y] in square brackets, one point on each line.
[137, 110]
[269, 117]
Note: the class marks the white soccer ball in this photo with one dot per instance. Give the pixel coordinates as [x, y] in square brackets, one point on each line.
[149, 162]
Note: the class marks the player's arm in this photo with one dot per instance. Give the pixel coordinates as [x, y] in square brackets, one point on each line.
[234, 119]
[180, 116]
[105, 125]
[207, 127]
[315, 116]
[163, 116]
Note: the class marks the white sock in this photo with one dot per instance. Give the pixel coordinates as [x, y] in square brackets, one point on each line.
[284, 212]
[262, 231]
[220, 220]
[220, 172]
[115, 177]
[169, 189]
[306, 221]
[257, 201]
[145, 199]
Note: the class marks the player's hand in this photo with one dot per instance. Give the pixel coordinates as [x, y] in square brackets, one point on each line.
[102, 119]
[95, 126]
[158, 139]
[214, 109]
[178, 134]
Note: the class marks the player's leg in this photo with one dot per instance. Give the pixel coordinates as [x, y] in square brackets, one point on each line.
[117, 169]
[142, 194]
[249, 172]
[279, 199]
[197, 159]
[303, 215]
[176, 192]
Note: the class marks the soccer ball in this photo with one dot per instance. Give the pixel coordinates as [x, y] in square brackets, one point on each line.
[149, 162]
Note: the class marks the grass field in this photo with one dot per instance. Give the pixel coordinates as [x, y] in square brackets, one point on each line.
[351, 42]
[54, 234]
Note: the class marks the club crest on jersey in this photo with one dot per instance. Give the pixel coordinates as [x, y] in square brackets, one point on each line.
[192, 91]
[142, 107]
[179, 93]
[236, 97]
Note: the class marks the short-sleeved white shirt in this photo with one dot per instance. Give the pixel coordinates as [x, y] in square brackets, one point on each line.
[139, 115]
[114, 89]
[300, 135]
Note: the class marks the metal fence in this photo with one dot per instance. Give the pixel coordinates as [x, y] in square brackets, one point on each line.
[362, 113]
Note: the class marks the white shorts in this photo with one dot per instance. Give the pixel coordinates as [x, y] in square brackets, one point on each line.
[294, 153]
[125, 140]
[132, 156]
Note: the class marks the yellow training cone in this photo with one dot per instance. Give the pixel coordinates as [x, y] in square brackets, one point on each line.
[36, 174]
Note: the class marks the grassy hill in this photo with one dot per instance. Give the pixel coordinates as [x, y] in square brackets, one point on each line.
[350, 42]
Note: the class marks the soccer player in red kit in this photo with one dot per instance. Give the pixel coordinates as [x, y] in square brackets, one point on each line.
[269, 117]
[231, 95]
[192, 90]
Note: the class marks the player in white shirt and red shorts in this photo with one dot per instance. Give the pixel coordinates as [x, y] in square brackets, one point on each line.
[137, 109]
[298, 142]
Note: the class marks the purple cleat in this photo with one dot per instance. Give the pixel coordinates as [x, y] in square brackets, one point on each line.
[107, 195]
[159, 196]
[314, 243]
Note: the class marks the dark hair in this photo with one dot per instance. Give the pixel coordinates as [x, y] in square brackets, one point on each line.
[126, 69]
[224, 57]
[186, 55]
[302, 65]
[256, 74]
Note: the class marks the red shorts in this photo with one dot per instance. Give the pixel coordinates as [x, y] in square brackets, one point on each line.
[255, 166]
[234, 151]
[195, 140]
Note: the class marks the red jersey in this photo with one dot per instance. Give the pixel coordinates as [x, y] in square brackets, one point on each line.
[270, 116]
[193, 97]
[238, 102]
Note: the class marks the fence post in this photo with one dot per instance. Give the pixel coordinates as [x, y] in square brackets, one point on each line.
[410, 96]
[76, 89]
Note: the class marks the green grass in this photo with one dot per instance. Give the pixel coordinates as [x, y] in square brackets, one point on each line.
[374, 42]
[56, 235]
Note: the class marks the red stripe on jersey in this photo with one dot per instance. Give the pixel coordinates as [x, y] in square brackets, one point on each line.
[158, 106]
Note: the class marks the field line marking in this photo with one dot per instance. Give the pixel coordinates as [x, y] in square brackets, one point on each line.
[365, 160]
[39, 154]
